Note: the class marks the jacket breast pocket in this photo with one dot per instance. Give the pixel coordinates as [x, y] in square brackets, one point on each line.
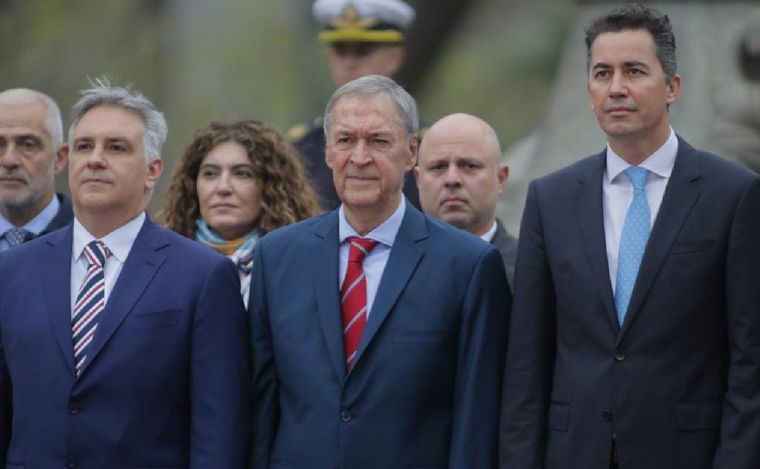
[280, 458]
[403, 336]
[152, 319]
[692, 416]
[559, 417]
[685, 247]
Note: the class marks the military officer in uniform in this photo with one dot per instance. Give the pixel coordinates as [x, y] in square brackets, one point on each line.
[364, 37]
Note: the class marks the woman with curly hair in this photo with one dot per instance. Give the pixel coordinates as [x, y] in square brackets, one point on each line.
[237, 181]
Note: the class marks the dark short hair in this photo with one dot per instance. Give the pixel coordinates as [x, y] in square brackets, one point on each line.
[637, 16]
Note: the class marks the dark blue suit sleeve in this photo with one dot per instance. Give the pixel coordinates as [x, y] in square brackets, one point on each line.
[740, 427]
[266, 405]
[220, 374]
[6, 412]
[531, 348]
[480, 364]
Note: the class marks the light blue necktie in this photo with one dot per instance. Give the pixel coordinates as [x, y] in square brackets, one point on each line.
[633, 241]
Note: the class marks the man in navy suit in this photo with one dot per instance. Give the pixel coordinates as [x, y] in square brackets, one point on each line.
[31, 155]
[635, 337]
[122, 345]
[378, 332]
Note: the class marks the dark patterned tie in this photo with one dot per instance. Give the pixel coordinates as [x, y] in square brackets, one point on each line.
[90, 301]
[353, 297]
[16, 236]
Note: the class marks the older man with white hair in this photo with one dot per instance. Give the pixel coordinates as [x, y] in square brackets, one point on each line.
[362, 37]
[379, 333]
[31, 135]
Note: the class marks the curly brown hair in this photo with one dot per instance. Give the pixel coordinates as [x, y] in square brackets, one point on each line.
[286, 194]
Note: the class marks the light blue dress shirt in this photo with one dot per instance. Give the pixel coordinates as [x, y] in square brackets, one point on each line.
[35, 225]
[617, 193]
[374, 263]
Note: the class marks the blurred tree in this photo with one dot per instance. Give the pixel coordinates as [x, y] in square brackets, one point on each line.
[435, 22]
[54, 45]
[200, 60]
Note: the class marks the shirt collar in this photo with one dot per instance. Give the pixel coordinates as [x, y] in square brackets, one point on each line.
[385, 233]
[488, 235]
[39, 222]
[119, 241]
[660, 162]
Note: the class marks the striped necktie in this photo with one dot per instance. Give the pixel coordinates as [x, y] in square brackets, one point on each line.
[353, 297]
[90, 301]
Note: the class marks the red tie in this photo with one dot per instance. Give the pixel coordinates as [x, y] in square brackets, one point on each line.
[353, 297]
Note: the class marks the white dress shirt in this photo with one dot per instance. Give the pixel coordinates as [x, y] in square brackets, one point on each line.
[35, 225]
[617, 192]
[119, 242]
[488, 235]
[374, 263]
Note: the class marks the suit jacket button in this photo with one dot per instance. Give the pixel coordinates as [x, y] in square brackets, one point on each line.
[71, 462]
[619, 356]
[607, 416]
[345, 415]
[74, 408]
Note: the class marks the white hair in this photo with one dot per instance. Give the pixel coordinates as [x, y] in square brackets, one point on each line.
[53, 123]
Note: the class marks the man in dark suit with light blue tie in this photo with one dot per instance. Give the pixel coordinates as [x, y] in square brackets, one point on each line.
[122, 344]
[635, 336]
[378, 332]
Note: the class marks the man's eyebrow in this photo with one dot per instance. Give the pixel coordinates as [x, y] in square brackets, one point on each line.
[630, 63]
[601, 65]
[34, 137]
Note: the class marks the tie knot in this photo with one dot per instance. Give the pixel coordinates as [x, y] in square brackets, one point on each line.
[637, 176]
[359, 248]
[16, 236]
[96, 253]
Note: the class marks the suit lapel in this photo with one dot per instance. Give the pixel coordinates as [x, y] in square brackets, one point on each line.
[403, 259]
[324, 274]
[680, 195]
[56, 282]
[62, 218]
[589, 210]
[140, 267]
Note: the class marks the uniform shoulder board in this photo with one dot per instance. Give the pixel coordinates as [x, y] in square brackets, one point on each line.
[297, 132]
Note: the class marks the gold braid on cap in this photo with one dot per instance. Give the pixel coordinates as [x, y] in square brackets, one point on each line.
[349, 26]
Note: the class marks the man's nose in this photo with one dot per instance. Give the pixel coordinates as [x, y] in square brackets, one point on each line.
[361, 154]
[618, 86]
[95, 158]
[452, 176]
[9, 156]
